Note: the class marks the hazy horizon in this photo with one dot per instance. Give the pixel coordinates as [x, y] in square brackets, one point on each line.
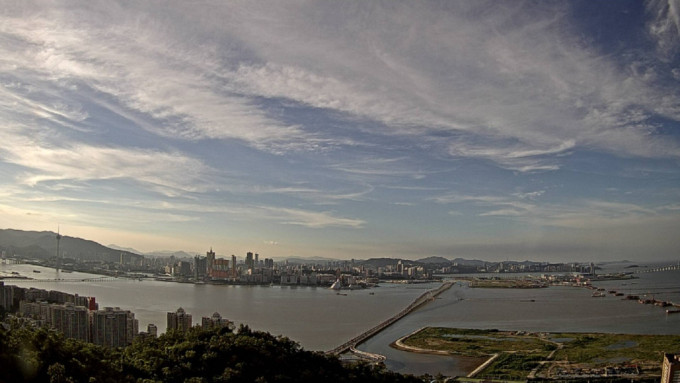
[359, 129]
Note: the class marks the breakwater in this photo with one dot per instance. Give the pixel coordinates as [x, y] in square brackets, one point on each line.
[422, 299]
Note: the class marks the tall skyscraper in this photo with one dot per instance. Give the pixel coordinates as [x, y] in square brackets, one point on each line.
[210, 261]
[234, 272]
[200, 268]
[249, 260]
[179, 320]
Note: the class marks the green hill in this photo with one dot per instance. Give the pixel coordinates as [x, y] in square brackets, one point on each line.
[43, 244]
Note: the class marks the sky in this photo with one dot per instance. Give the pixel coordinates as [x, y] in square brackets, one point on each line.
[501, 130]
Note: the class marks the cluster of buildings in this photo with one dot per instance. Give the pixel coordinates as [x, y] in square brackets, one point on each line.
[75, 316]
[515, 267]
[254, 270]
[182, 321]
[80, 318]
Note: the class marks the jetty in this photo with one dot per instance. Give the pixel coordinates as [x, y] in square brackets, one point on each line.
[427, 296]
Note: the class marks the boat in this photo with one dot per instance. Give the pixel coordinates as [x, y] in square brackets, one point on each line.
[36, 271]
[337, 285]
[670, 311]
[598, 294]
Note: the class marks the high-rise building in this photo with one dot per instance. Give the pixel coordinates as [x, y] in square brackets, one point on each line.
[234, 272]
[152, 330]
[71, 320]
[670, 370]
[216, 321]
[5, 302]
[209, 259]
[200, 268]
[113, 327]
[179, 320]
[249, 260]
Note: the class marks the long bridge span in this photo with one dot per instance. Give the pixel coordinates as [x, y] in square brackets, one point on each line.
[427, 296]
[72, 280]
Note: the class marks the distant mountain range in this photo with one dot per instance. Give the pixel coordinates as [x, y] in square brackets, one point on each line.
[43, 245]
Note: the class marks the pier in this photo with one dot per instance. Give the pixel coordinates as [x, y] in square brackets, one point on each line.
[351, 344]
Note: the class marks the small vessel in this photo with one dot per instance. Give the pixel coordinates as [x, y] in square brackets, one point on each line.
[671, 311]
[337, 285]
[598, 294]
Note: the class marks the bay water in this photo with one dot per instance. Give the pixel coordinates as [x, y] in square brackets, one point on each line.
[320, 319]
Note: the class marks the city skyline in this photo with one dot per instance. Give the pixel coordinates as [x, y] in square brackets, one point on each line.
[479, 130]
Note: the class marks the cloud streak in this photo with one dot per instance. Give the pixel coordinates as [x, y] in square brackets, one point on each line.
[342, 119]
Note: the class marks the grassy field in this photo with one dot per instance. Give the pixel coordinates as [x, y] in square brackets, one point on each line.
[521, 352]
[645, 351]
[470, 342]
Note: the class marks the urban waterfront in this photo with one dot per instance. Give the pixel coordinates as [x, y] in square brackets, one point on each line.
[320, 319]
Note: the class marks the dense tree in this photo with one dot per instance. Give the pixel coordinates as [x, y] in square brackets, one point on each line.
[216, 355]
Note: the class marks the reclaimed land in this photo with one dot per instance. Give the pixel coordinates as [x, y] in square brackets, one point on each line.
[519, 355]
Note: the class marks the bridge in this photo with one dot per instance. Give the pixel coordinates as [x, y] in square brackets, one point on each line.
[657, 269]
[351, 344]
[75, 280]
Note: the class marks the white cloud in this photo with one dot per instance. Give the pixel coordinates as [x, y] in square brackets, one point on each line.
[664, 25]
[515, 77]
[170, 172]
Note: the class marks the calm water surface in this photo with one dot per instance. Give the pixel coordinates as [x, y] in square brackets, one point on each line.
[319, 319]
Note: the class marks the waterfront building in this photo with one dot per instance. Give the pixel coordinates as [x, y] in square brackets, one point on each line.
[670, 370]
[234, 273]
[249, 260]
[181, 269]
[200, 268]
[179, 320]
[220, 269]
[210, 260]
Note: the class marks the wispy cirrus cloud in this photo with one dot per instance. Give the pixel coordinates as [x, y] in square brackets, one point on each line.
[42, 161]
[299, 115]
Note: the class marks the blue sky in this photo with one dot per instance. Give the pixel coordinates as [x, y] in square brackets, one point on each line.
[543, 130]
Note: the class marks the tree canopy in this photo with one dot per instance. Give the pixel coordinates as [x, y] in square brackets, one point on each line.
[199, 355]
